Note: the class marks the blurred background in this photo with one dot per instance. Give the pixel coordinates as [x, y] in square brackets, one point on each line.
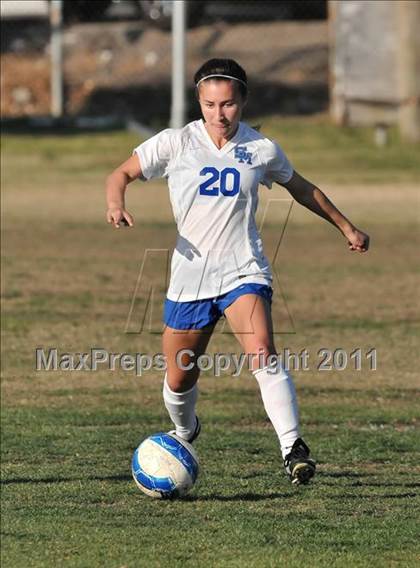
[117, 56]
[115, 60]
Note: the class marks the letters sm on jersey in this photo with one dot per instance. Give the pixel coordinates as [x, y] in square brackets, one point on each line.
[214, 197]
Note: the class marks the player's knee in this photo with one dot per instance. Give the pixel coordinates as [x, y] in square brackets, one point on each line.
[181, 381]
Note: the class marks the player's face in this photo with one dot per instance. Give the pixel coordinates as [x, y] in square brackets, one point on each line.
[221, 104]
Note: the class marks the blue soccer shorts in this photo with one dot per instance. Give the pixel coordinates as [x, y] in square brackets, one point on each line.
[200, 313]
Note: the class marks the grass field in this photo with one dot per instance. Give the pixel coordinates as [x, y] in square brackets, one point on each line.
[67, 437]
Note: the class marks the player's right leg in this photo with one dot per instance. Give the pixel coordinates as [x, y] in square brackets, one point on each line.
[181, 349]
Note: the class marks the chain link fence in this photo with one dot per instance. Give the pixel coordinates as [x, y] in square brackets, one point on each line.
[117, 55]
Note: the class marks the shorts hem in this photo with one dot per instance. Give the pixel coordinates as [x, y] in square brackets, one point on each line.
[187, 327]
[259, 293]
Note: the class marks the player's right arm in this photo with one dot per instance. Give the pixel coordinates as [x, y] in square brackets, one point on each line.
[116, 185]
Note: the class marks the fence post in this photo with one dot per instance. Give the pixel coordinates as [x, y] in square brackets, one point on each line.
[178, 64]
[56, 20]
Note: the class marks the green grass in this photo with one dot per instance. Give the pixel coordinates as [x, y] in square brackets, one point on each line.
[344, 155]
[67, 437]
[316, 147]
[69, 497]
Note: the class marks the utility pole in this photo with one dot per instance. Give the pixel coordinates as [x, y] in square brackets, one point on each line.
[56, 21]
[409, 69]
[178, 64]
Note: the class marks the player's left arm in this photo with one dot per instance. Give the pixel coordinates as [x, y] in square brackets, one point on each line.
[311, 197]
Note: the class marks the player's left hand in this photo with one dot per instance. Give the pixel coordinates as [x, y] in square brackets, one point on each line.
[358, 240]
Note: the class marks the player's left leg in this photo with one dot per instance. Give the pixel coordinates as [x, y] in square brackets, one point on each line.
[249, 317]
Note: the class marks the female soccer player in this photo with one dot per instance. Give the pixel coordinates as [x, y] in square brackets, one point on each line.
[213, 167]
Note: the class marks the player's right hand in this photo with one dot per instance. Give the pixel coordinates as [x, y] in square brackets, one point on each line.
[118, 217]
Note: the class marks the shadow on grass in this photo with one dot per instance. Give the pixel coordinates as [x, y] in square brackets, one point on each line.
[22, 480]
[238, 497]
[322, 480]
[125, 477]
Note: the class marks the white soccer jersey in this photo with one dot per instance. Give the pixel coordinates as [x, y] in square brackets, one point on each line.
[214, 197]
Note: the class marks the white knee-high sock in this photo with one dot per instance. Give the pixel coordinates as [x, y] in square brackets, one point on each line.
[279, 398]
[181, 409]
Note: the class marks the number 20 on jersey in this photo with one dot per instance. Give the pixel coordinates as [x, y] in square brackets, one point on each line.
[228, 181]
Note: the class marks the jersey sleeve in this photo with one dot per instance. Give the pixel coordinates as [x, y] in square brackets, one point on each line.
[156, 153]
[278, 168]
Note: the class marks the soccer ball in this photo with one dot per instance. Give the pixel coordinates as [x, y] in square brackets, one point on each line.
[164, 466]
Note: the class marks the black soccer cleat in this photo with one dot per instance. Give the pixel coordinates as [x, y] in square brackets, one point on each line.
[194, 435]
[298, 465]
[196, 432]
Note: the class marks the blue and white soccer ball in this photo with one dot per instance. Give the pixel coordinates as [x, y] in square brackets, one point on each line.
[164, 466]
